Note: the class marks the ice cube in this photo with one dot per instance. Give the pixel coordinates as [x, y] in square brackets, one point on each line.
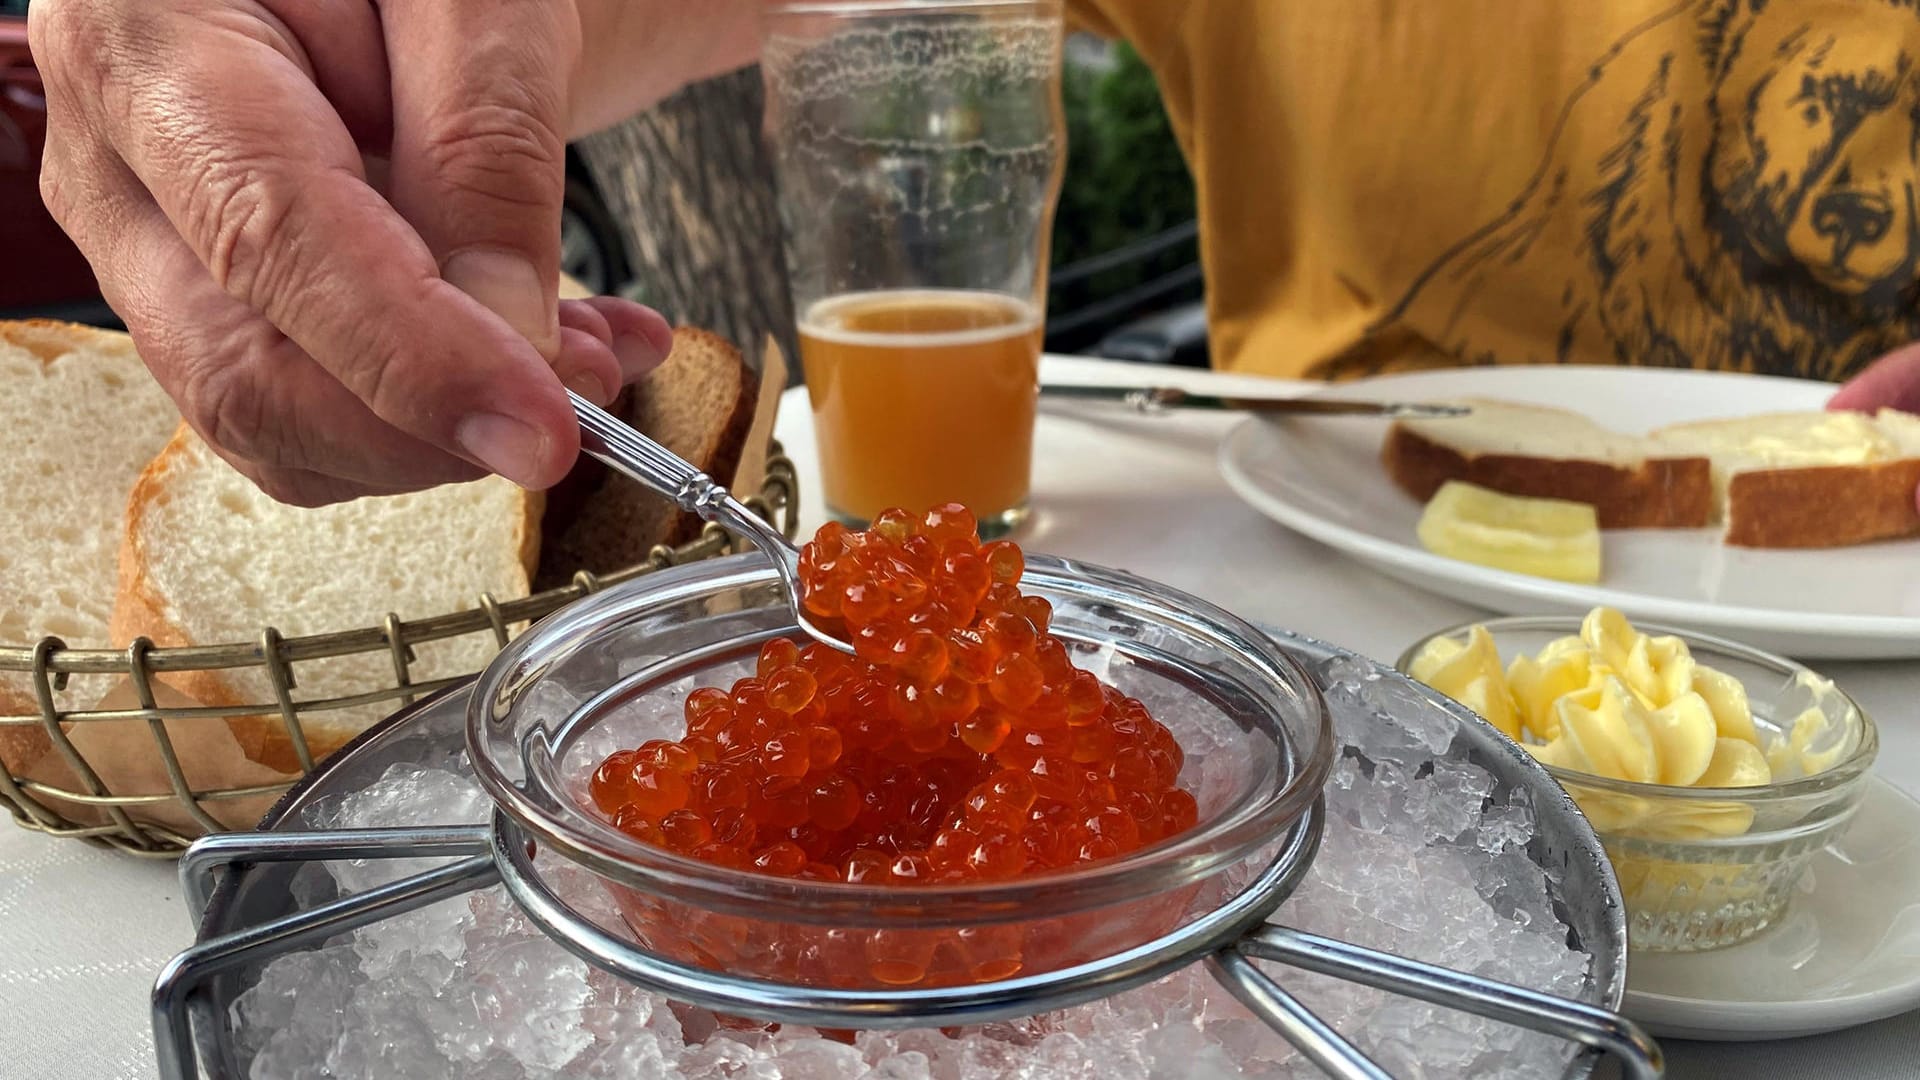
[910, 1065]
[529, 994]
[1344, 671]
[1502, 827]
[818, 1059]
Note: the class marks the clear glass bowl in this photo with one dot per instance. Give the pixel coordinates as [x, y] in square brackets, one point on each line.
[1693, 877]
[613, 671]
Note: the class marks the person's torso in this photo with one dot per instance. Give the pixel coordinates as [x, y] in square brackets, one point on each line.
[1716, 183]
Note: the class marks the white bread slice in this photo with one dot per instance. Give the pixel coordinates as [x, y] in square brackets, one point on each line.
[1809, 479]
[700, 404]
[1545, 452]
[1903, 428]
[208, 560]
[82, 418]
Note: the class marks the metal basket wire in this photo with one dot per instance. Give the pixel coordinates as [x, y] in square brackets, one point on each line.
[126, 817]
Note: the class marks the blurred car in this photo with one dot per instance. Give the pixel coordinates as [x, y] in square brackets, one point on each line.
[593, 251]
[43, 274]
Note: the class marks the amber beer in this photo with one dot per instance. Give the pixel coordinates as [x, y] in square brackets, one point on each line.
[918, 150]
[922, 397]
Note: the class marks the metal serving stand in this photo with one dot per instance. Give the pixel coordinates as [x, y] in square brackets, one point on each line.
[244, 923]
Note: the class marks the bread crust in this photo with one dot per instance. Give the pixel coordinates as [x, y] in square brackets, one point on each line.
[602, 522]
[1660, 493]
[731, 440]
[1823, 506]
[139, 611]
[35, 335]
[21, 746]
[47, 340]
[533, 510]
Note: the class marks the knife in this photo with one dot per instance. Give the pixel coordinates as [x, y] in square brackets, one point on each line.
[1153, 399]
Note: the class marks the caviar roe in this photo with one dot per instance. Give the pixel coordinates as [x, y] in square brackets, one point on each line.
[959, 743]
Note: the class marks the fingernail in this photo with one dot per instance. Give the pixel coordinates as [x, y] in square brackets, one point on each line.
[510, 447]
[511, 288]
[661, 335]
[637, 354]
[589, 386]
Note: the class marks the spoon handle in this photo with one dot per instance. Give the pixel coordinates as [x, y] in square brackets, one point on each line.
[631, 453]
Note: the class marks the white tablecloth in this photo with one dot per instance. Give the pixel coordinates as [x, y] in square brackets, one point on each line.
[82, 933]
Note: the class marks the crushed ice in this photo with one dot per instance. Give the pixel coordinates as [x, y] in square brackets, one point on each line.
[1423, 855]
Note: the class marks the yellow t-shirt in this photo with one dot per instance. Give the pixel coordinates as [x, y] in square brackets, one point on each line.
[1387, 185]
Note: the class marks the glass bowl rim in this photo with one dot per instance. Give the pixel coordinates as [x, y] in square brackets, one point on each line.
[1842, 774]
[1196, 856]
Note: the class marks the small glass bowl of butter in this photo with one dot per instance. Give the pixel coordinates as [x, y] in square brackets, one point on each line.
[1710, 770]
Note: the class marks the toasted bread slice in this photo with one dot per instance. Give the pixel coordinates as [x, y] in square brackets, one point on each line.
[85, 417]
[1550, 453]
[208, 560]
[699, 403]
[1809, 480]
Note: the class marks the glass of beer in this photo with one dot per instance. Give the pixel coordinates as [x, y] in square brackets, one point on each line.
[918, 149]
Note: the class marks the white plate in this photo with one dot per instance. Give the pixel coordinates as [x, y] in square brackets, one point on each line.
[1322, 477]
[1847, 952]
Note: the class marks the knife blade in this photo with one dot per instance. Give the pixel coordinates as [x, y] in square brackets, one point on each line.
[1153, 399]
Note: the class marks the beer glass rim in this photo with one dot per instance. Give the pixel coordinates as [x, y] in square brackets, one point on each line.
[858, 8]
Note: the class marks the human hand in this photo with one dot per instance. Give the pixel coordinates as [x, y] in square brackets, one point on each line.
[1891, 382]
[343, 270]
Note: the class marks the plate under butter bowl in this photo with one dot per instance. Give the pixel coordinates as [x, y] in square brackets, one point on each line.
[1847, 951]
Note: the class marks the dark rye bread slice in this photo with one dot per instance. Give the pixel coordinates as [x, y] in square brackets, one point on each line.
[1552, 453]
[699, 403]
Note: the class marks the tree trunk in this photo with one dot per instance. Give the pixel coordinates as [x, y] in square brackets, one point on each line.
[692, 186]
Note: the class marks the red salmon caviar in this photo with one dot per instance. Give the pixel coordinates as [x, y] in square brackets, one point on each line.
[960, 743]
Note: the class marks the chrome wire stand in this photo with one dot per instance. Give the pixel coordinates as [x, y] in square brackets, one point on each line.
[1228, 940]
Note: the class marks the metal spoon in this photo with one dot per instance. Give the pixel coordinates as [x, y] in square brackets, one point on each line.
[629, 452]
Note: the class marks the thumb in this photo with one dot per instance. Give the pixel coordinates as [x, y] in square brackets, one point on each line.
[479, 158]
[1891, 382]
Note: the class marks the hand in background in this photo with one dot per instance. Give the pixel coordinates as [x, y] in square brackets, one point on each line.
[1891, 382]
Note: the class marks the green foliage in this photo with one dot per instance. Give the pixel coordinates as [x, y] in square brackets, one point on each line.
[1125, 176]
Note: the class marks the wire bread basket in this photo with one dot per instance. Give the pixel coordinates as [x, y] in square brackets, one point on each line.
[90, 808]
